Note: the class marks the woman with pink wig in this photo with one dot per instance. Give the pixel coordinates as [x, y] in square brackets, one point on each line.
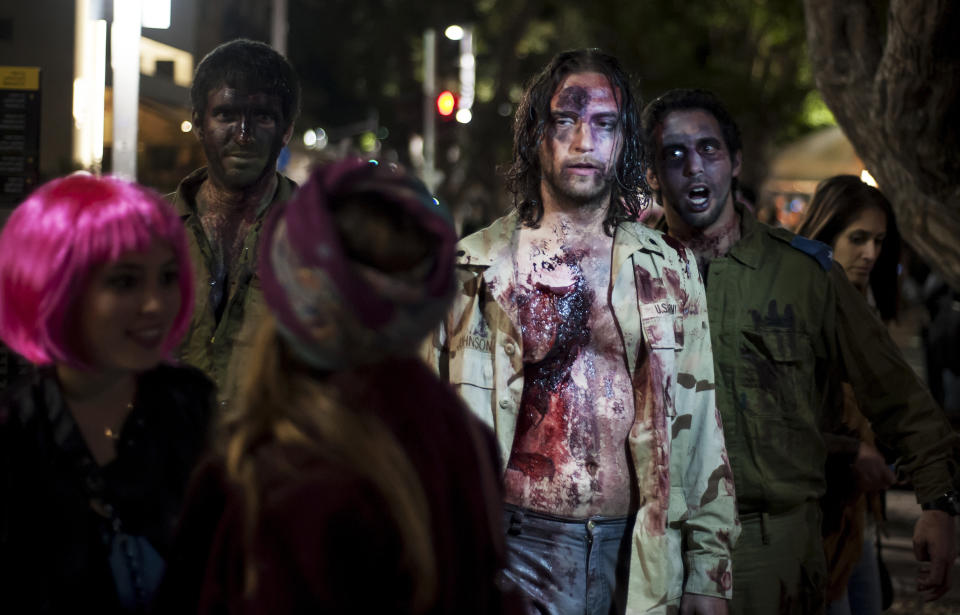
[97, 441]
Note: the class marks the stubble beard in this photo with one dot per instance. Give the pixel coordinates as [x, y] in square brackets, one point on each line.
[235, 181]
[596, 193]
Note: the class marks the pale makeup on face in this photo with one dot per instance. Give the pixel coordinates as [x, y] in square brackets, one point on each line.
[582, 142]
[693, 175]
[858, 246]
[694, 170]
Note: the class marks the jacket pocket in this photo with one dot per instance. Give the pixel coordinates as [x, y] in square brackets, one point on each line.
[472, 364]
[661, 340]
[661, 330]
[776, 373]
[471, 375]
[778, 406]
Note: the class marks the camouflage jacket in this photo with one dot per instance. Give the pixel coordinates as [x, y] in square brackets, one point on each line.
[221, 346]
[686, 522]
[788, 328]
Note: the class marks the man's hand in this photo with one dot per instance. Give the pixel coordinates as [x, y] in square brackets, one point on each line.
[871, 469]
[698, 604]
[934, 541]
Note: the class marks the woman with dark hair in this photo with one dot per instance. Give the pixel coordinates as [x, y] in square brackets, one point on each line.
[96, 442]
[858, 222]
[349, 479]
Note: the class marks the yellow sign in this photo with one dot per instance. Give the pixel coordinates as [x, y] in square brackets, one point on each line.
[19, 78]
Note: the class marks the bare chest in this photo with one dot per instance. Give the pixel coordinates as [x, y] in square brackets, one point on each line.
[562, 301]
[576, 409]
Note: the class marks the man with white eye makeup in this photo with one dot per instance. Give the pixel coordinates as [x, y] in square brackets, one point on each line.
[581, 337]
[245, 99]
[787, 329]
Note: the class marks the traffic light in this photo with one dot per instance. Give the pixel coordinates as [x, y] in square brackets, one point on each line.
[446, 103]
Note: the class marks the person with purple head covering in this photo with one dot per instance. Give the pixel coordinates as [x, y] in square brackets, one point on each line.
[349, 478]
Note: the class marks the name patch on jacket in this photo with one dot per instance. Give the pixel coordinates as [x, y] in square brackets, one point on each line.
[648, 310]
[475, 342]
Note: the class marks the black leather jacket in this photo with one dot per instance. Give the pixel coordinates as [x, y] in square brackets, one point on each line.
[53, 545]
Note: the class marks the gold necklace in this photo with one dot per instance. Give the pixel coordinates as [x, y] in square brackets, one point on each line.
[112, 434]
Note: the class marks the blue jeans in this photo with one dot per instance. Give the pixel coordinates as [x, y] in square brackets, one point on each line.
[568, 566]
[863, 595]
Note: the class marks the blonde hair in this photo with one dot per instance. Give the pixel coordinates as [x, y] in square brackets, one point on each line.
[284, 404]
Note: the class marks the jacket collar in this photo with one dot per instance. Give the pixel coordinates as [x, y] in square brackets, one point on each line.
[185, 198]
[487, 246]
[749, 249]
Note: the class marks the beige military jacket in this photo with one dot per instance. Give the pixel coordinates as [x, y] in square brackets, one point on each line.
[686, 523]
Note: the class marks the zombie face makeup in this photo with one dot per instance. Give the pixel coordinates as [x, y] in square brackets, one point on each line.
[583, 140]
[694, 169]
[242, 134]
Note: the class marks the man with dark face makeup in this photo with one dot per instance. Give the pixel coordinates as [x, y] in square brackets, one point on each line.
[787, 327]
[245, 99]
[581, 337]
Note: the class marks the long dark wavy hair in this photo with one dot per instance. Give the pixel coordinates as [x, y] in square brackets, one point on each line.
[523, 176]
[835, 204]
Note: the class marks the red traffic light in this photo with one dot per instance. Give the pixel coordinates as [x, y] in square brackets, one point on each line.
[446, 103]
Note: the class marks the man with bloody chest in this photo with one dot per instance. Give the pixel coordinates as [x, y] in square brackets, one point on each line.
[581, 337]
[787, 329]
[245, 99]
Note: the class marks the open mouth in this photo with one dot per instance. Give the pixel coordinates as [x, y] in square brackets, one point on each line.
[699, 196]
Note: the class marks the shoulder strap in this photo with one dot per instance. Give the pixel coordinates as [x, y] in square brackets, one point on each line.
[821, 252]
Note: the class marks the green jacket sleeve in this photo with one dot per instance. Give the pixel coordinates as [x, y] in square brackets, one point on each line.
[900, 408]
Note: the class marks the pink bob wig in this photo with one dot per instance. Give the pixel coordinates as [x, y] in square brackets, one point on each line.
[56, 238]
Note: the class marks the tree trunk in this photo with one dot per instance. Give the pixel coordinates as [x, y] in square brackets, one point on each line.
[897, 101]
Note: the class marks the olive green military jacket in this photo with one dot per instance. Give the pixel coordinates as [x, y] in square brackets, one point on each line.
[222, 347]
[787, 328]
[686, 524]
